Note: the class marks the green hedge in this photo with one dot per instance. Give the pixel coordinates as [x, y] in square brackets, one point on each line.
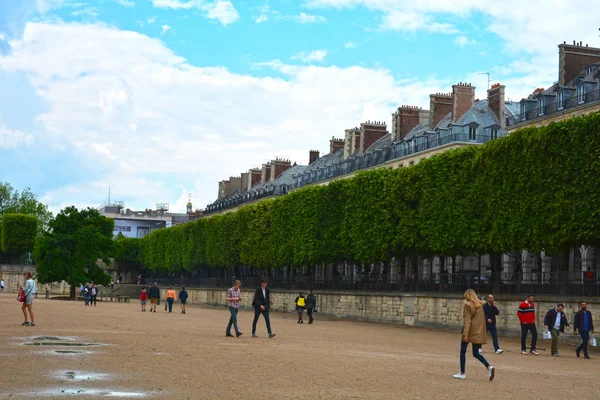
[18, 233]
[538, 189]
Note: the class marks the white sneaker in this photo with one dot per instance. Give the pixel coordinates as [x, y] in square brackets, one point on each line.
[535, 353]
[524, 352]
[459, 376]
[491, 373]
[499, 351]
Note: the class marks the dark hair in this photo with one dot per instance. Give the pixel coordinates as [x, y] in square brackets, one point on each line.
[530, 296]
[560, 305]
[309, 290]
[183, 288]
[264, 280]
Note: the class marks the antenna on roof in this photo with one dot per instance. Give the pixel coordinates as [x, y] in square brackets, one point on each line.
[488, 75]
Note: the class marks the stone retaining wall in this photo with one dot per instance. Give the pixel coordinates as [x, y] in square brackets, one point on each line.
[13, 276]
[425, 310]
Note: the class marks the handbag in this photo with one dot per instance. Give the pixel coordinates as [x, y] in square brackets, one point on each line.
[593, 342]
[21, 296]
[547, 335]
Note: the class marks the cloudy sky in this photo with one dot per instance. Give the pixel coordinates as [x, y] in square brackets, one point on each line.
[160, 99]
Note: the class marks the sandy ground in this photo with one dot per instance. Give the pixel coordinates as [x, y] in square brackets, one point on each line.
[175, 356]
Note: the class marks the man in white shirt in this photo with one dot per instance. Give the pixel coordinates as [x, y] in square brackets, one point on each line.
[555, 322]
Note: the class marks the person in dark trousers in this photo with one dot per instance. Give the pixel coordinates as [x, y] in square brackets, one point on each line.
[234, 296]
[473, 332]
[490, 310]
[183, 296]
[300, 306]
[311, 305]
[584, 325]
[526, 316]
[555, 322]
[154, 295]
[261, 302]
[93, 294]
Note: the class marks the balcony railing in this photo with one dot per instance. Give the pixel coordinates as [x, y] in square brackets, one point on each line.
[552, 108]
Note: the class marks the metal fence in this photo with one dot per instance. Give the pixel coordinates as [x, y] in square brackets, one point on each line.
[567, 283]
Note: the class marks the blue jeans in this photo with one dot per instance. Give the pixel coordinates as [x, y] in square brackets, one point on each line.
[491, 328]
[463, 355]
[170, 301]
[585, 338]
[233, 320]
[265, 313]
[524, 329]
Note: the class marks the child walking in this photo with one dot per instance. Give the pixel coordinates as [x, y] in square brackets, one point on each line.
[143, 298]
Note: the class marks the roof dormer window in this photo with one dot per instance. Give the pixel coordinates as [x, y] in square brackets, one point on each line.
[472, 133]
[560, 100]
[523, 112]
[580, 94]
[541, 106]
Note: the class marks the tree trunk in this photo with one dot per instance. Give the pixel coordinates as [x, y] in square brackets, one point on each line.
[563, 271]
[496, 266]
[73, 294]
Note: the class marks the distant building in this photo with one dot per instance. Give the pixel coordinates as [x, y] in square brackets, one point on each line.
[137, 224]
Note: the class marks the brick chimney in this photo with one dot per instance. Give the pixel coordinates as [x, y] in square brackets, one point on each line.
[335, 144]
[370, 132]
[266, 173]
[463, 98]
[572, 59]
[223, 190]
[404, 120]
[255, 176]
[313, 156]
[352, 142]
[235, 183]
[495, 97]
[245, 180]
[440, 104]
[279, 165]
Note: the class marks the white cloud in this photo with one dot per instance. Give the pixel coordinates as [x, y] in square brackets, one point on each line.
[304, 18]
[86, 12]
[222, 11]
[165, 29]
[149, 120]
[10, 139]
[126, 3]
[350, 45]
[463, 41]
[315, 55]
[151, 20]
[219, 10]
[261, 18]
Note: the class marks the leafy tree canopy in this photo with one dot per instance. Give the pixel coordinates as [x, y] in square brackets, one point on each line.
[14, 202]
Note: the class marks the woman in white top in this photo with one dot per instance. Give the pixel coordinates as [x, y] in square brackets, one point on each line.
[28, 303]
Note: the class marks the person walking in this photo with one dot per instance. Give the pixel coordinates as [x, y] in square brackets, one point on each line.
[584, 325]
[473, 332]
[261, 303]
[300, 306]
[1, 285]
[555, 322]
[86, 294]
[154, 296]
[183, 296]
[234, 296]
[139, 279]
[490, 310]
[526, 316]
[93, 294]
[143, 298]
[112, 285]
[311, 305]
[120, 280]
[170, 298]
[30, 291]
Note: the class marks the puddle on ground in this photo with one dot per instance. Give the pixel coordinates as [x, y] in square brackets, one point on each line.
[160, 354]
[62, 344]
[86, 392]
[80, 376]
[47, 338]
[66, 352]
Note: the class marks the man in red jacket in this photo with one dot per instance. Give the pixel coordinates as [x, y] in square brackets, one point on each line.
[526, 315]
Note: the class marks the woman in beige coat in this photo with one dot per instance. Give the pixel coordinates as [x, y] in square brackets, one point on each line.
[473, 332]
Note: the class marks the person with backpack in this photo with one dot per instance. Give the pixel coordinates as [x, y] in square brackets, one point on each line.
[311, 305]
[86, 294]
[154, 295]
[183, 296]
[300, 306]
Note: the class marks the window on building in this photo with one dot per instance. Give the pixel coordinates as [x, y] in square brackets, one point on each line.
[541, 104]
[560, 100]
[494, 133]
[473, 133]
[580, 94]
[523, 112]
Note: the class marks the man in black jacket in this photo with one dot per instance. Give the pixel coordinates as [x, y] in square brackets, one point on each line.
[261, 301]
[584, 324]
[311, 304]
[555, 321]
[490, 310]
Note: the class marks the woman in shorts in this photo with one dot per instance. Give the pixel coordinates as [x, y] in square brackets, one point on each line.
[28, 303]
